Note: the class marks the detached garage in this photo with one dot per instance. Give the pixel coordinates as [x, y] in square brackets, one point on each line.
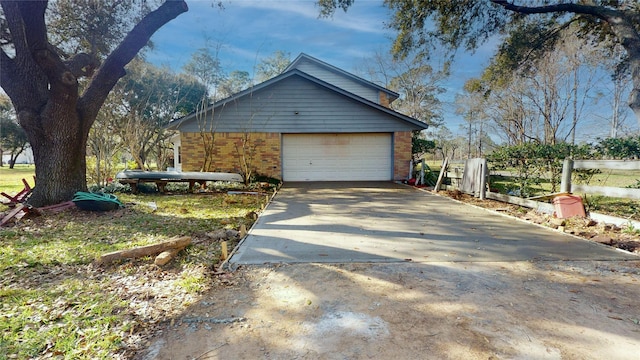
[314, 122]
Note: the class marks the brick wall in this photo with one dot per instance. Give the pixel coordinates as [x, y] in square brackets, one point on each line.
[383, 99]
[402, 154]
[262, 148]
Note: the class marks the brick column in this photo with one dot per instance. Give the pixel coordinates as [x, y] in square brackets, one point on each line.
[401, 154]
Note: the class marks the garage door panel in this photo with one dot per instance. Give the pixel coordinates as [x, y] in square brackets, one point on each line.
[336, 157]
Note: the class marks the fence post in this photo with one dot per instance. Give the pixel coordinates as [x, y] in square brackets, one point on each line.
[410, 169]
[567, 169]
[483, 179]
[441, 176]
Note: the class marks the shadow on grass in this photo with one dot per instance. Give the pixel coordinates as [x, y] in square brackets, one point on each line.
[52, 291]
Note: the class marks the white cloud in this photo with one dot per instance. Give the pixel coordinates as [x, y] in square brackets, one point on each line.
[356, 19]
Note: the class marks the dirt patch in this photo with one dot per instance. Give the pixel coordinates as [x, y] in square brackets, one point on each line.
[537, 310]
[439, 310]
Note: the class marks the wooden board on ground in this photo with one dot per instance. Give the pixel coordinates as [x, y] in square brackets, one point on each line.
[148, 250]
[13, 213]
[166, 256]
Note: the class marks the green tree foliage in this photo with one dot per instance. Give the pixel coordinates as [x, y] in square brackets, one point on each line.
[204, 65]
[272, 65]
[419, 86]
[92, 27]
[150, 97]
[534, 163]
[103, 144]
[420, 145]
[13, 139]
[235, 82]
[415, 80]
[619, 148]
[446, 144]
[547, 99]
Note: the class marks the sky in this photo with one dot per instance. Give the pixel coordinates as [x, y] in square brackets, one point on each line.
[251, 30]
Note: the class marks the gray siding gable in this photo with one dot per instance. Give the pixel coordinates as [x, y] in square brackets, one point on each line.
[340, 78]
[296, 102]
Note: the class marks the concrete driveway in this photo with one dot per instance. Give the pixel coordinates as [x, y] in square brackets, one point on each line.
[335, 222]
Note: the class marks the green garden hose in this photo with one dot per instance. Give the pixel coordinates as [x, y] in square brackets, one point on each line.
[82, 196]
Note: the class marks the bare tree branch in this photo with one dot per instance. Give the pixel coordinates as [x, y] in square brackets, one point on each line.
[622, 23]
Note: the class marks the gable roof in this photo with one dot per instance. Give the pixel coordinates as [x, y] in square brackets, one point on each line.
[407, 120]
[392, 95]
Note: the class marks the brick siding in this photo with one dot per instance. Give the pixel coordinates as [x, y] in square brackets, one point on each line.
[264, 148]
[402, 154]
[383, 99]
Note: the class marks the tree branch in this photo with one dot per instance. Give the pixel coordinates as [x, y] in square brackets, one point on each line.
[597, 11]
[35, 30]
[7, 67]
[113, 67]
[63, 83]
[16, 26]
[20, 76]
[545, 37]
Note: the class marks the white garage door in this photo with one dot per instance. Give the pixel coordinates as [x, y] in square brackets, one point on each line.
[336, 157]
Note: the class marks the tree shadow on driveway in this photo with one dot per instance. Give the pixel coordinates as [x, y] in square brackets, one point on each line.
[391, 222]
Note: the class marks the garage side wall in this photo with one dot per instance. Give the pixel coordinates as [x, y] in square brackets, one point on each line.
[402, 154]
[262, 151]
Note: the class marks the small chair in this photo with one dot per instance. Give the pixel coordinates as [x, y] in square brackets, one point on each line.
[20, 196]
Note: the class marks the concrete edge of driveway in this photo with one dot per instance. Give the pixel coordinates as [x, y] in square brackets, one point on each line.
[226, 263]
[529, 222]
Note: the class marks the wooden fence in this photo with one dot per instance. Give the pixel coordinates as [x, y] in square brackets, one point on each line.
[455, 173]
[570, 165]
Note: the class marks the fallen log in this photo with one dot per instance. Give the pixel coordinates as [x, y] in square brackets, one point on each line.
[147, 250]
[166, 256]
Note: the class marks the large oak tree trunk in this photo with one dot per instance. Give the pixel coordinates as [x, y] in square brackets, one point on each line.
[61, 161]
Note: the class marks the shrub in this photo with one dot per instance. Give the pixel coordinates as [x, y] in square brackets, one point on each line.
[110, 188]
[534, 163]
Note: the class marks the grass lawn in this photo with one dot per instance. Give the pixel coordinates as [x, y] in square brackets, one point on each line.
[616, 178]
[55, 302]
[11, 179]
